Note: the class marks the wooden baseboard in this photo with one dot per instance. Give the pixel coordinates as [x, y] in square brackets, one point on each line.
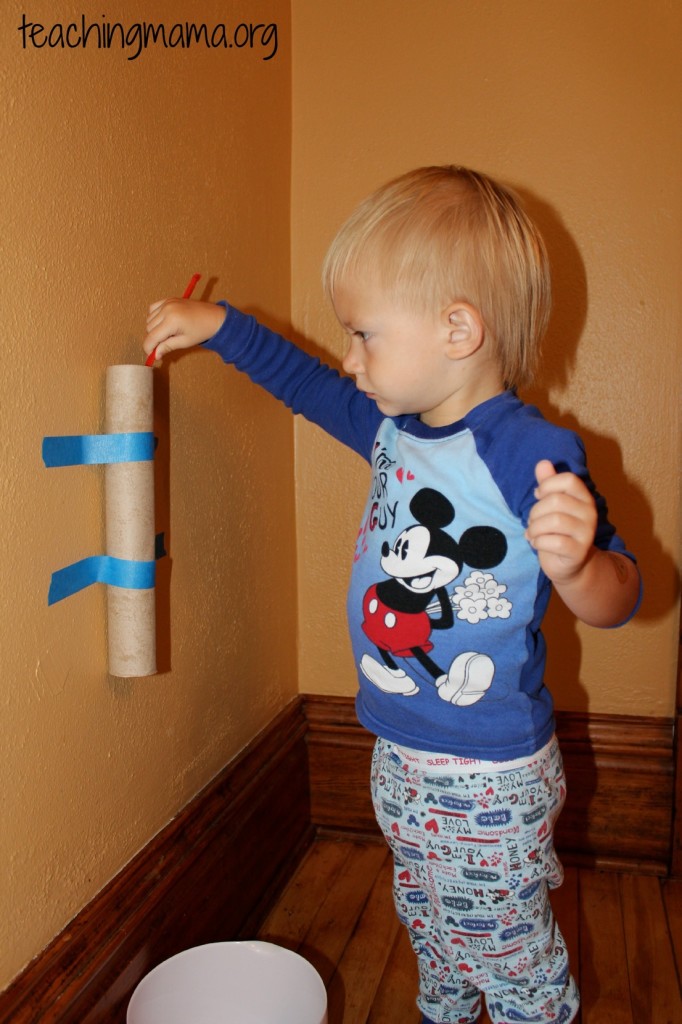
[209, 876]
[620, 783]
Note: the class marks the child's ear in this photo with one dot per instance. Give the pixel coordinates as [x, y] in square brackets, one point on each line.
[466, 330]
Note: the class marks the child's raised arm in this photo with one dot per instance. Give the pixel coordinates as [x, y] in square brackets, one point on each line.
[180, 323]
[600, 587]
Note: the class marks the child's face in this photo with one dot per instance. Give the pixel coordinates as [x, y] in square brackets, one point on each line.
[398, 357]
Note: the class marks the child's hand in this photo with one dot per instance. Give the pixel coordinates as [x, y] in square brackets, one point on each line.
[180, 323]
[562, 523]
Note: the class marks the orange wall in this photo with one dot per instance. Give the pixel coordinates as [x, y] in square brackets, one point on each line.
[119, 180]
[578, 106]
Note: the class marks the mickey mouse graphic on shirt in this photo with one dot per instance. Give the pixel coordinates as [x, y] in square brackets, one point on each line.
[423, 561]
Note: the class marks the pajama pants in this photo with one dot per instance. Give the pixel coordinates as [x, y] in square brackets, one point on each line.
[473, 864]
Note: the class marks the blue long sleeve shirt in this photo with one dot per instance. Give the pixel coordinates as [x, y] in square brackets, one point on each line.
[447, 597]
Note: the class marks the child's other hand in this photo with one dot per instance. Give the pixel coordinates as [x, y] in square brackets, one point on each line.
[562, 523]
[180, 323]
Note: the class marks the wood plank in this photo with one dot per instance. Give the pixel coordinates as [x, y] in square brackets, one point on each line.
[358, 974]
[655, 991]
[603, 964]
[335, 921]
[294, 912]
[671, 889]
[397, 991]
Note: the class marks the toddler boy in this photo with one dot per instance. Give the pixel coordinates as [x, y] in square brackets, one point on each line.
[477, 507]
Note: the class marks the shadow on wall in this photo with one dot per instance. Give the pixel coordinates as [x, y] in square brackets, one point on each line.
[633, 513]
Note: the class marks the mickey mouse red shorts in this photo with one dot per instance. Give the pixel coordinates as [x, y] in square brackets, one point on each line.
[474, 861]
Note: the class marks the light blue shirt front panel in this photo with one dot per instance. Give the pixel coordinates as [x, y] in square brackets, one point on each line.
[495, 608]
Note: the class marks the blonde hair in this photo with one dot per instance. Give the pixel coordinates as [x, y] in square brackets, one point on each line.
[443, 234]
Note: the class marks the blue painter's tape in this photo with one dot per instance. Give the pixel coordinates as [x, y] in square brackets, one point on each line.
[98, 449]
[116, 572]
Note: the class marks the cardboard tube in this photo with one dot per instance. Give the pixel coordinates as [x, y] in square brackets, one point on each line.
[129, 500]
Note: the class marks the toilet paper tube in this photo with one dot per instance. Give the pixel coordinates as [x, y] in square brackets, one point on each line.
[129, 520]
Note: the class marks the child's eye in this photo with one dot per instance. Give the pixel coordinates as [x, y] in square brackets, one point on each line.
[362, 335]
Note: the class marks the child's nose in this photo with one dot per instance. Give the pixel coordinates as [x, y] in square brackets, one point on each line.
[352, 362]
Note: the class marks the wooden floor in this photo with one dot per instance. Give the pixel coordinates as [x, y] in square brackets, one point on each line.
[624, 934]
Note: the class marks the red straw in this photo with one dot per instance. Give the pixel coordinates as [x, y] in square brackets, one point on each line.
[149, 361]
[191, 286]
